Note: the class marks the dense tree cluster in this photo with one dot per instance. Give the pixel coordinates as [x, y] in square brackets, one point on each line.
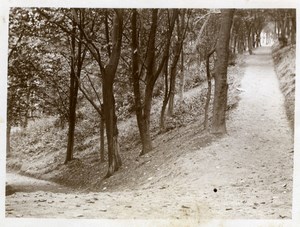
[118, 60]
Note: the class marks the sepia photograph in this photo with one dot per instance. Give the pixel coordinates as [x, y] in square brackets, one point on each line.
[165, 113]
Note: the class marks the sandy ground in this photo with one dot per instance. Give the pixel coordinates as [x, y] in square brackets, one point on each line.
[245, 174]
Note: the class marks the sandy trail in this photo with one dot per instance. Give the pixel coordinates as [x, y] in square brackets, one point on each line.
[253, 165]
[250, 168]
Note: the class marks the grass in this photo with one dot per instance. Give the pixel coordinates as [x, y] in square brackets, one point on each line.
[284, 61]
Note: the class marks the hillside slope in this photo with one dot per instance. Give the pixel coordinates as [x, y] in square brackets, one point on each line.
[285, 67]
[39, 150]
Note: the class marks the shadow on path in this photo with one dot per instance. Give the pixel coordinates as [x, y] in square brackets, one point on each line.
[19, 183]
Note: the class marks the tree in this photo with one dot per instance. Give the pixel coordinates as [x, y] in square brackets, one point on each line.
[150, 69]
[76, 57]
[221, 86]
[108, 73]
[24, 70]
[169, 97]
[78, 53]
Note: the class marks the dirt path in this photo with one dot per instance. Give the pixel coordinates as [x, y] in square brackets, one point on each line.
[246, 174]
[252, 166]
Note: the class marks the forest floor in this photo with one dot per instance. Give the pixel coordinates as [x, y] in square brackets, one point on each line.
[245, 174]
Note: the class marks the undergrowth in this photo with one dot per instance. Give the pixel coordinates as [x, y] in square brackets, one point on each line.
[284, 62]
[39, 150]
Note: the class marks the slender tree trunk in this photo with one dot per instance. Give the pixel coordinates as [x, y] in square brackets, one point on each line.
[71, 117]
[76, 67]
[102, 128]
[293, 29]
[150, 82]
[208, 94]
[235, 44]
[253, 39]
[145, 137]
[221, 86]
[152, 73]
[173, 74]
[8, 133]
[166, 98]
[182, 79]
[28, 107]
[108, 76]
[250, 42]
[114, 160]
[147, 141]
[181, 31]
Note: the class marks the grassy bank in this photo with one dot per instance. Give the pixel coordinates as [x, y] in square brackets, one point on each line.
[39, 150]
[284, 62]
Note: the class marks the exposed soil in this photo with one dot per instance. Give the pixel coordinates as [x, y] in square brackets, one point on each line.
[245, 174]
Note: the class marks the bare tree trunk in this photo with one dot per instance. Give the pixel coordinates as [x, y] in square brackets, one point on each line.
[182, 79]
[293, 29]
[76, 66]
[72, 105]
[102, 128]
[145, 136]
[8, 132]
[250, 42]
[27, 108]
[108, 76]
[181, 31]
[208, 94]
[173, 77]
[221, 86]
[114, 160]
[166, 98]
[152, 74]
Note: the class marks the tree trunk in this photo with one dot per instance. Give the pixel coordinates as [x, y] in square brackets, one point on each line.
[208, 94]
[166, 98]
[8, 132]
[152, 73]
[147, 141]
[182, 79]
[221, 86]
[181, 31]
[114, 160]
[235, 44]
[145, 136]
[108, 76]
[27, 108]
[250, 42]
[72, 116]
[173, 74]
[293, 29]
[76, 66]
[102, 128]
